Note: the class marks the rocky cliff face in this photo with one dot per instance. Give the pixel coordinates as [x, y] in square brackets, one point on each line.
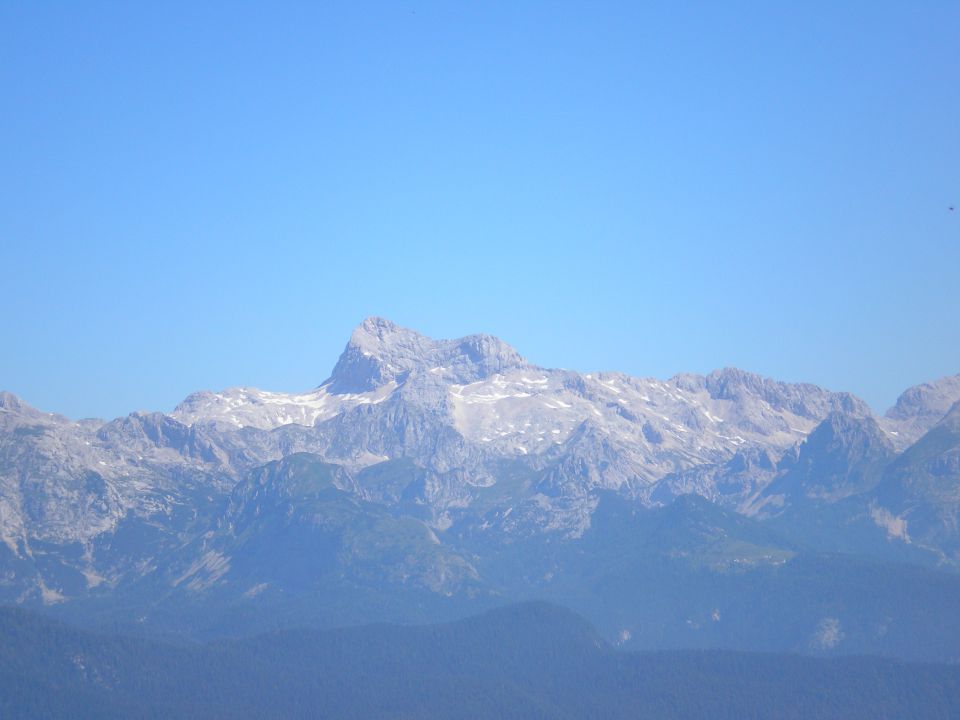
[381, 352]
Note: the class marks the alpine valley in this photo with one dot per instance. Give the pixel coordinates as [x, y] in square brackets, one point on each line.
[428, 480]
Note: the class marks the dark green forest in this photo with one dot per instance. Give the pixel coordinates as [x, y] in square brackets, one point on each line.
[532, 660]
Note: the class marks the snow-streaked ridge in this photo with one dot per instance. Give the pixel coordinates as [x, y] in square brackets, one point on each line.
[266, 410]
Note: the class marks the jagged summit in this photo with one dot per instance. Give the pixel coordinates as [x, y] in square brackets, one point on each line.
[380, 352]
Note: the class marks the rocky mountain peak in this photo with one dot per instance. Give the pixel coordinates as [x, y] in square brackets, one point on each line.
[845, 430]
[10, 402]
[919, 409]
[16, 410]
[924, 405]
[803, 399]
[380, 352]
[844, 455]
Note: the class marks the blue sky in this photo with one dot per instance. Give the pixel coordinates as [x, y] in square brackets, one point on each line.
[200, 197]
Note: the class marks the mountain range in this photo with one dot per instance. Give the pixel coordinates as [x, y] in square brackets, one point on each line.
[428, 479]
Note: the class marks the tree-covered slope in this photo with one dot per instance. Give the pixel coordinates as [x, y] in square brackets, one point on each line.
[525, 661]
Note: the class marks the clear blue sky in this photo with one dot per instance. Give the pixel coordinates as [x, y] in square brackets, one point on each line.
[199, 197]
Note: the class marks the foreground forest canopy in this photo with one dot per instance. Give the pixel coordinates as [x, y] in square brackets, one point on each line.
[524, 661]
